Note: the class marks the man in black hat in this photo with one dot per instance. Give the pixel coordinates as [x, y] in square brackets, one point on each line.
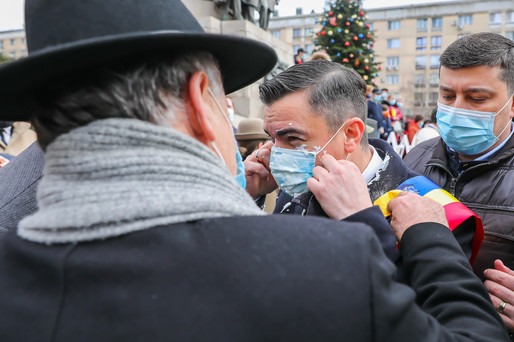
[143, 231]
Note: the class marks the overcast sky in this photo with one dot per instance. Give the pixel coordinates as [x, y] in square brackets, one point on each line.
[11, 11]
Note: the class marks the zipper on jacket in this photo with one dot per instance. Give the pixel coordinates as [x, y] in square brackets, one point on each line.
[453, 181]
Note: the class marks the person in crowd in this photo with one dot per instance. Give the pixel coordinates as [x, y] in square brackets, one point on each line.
[394, 112]
[320, 55]
[428, 131]
[413, 127]
[18, 183]
[144, 230]
[375, 112]
[250, 136]
[384, 93]
[298, 58]
[15, 137]
[319, 108]
[474, 156]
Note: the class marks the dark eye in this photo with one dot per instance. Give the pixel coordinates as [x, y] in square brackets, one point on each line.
[478, 100]
[447, 97]
[292, 138]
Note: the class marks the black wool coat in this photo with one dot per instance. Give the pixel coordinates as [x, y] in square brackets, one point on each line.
[272, 278]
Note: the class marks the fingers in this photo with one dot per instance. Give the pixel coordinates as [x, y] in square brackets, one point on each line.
[501, 278]
[498, 264]
[255, 168]
[507, 314]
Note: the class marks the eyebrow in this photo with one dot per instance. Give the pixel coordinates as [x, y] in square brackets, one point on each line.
[469, 90]
[285, 131]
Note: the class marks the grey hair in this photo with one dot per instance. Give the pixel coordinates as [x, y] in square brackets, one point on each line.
[149, 89]
[485, 48]
[335, 92]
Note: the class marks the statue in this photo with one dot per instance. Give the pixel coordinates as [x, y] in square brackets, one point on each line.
[245, 9]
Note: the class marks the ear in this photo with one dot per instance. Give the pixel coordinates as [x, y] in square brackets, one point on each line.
[354, 130]
[198, 111]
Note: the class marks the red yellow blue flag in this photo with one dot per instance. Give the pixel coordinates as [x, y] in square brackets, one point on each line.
[456, 212]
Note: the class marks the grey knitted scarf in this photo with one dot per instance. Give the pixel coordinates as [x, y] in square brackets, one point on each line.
[116, 176]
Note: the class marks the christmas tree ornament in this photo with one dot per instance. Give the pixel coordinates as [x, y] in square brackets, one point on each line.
[366, 60]
[361, 13]
[357, 63]
[330, 13]
[351, 55]
[346, 31]
[366, 68]
[360, 24]
[347, 23]
[338, 54]
[367, 25]
[347, 43]
[354, 16]
[365, 77]
[345, 60]
[330, 33]
[379, 67]
[361, 35]
[323, 33]
[369, 36]
[360, 51]
[339, 30]
[339, 16]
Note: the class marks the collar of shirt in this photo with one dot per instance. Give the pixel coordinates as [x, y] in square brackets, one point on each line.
[374, 165]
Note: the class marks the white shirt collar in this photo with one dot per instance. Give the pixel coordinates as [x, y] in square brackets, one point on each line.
[374, 165]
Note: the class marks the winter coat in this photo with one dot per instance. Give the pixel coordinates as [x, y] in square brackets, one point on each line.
[487, 188]
[265, 278]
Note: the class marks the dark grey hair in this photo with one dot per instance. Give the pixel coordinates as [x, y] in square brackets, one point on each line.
[335, 92]
[485, 48]
[149, 89]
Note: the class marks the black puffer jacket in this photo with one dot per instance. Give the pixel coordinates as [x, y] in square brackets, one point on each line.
[487, 188]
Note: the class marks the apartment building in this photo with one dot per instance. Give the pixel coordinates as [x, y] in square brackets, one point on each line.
[409, 41]
[12, 44]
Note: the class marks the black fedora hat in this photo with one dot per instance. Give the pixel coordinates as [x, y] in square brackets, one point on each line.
[69, 37]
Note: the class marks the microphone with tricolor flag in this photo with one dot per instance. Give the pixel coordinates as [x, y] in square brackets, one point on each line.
[456, 212]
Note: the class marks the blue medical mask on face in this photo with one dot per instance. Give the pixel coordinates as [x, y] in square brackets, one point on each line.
[467, 131]
[378, 98]
[240, 176]
[392, 102]
[291, 168]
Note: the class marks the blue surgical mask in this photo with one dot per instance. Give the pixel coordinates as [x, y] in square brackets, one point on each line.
[240, 176]
[291, 168]
[399, 104]
[378, 98]
[467, 131]
[392, 102]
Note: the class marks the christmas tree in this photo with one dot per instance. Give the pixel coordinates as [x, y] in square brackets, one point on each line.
[347, 38]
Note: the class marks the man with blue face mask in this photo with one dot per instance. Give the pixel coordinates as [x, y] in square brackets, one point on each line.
[474, 157]
[316, 113]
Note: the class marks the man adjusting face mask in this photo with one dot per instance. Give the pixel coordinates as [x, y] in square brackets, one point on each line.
[292, 168]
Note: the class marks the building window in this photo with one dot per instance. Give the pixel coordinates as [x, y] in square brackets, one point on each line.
[432, 98]
[275, 33]
[309, 48]
[437, 24]
[393, 63]
[392, 79]
[308, 31]
[510, 35]
[13, 54]
[421, 62]
[13, 41]
[434, 61]
[393, 43]
[495, 18]
[434, 80]
[23, 40]
[465, 20]
[419, 80]
[297, 33]
[421, 43]
[299, 11]
[419, 99]
[422, 25]
[509, 18]
[394, 25]
[436, 43]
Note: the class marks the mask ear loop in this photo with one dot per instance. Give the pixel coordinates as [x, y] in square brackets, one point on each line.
[335, 134]
[509, 122]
